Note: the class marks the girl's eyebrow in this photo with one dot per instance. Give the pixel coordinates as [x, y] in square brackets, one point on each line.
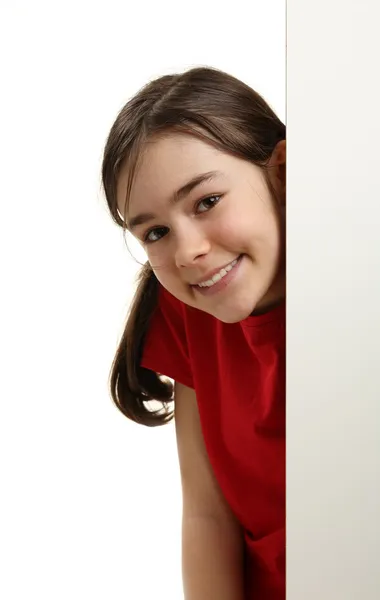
[177, 196]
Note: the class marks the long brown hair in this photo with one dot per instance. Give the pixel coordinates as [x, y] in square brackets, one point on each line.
[217, 108]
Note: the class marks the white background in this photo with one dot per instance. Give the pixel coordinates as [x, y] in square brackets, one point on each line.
[90, 504]
[333, 300]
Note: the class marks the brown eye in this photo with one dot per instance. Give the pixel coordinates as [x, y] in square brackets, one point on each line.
[208, 203]
[153, 235]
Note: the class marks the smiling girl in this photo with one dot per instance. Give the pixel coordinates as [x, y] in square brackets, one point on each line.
[194, 168]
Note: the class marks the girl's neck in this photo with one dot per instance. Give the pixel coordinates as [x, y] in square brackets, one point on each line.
[275, 297]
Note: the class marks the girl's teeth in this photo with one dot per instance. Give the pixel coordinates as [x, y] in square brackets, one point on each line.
[218, 276]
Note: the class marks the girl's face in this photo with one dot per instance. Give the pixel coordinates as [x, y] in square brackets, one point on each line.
[209, 225]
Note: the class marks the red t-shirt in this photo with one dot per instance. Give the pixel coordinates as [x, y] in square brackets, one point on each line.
[238, 373]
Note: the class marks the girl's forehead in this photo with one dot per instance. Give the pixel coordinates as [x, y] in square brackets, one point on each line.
[166, 164]
[168, 154]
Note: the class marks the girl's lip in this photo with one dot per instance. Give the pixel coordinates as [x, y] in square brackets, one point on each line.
[214, 272]
[222, 283]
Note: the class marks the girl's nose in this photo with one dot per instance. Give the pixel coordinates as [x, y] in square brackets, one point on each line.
[191, 245]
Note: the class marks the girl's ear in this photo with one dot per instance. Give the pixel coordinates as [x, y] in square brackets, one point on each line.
[277, 170]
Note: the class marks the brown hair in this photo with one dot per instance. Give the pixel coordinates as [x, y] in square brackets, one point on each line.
[218, 109]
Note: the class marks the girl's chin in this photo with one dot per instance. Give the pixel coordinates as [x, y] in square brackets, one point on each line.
[232, 314]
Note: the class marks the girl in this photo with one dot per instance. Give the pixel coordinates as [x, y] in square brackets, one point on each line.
[194, 168]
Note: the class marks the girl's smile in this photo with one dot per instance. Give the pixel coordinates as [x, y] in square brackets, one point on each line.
[218, 279]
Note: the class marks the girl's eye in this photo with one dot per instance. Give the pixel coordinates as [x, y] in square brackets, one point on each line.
[155, 234]
[207, 203]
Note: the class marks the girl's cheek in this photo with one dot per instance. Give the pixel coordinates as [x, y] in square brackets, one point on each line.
[229, 230]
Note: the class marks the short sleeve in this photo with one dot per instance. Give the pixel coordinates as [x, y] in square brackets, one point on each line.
[166, 350]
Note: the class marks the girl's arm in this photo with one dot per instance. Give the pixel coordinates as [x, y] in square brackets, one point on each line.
[212, 543]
